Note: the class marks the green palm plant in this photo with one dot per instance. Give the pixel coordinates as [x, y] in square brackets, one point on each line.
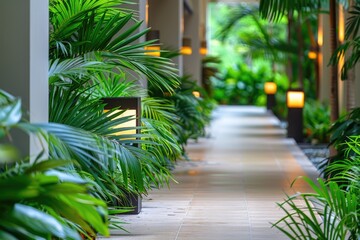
[96, 53]
[101, 156]
[347, 125]
[276, 9]
[193, 112]
[332, 211]
[266, 40]
[328, 213]
[346, 171]
[38, 199]
[95, 31]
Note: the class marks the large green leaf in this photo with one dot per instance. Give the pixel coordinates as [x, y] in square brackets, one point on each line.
[61, 199]
[10, 110]
[276, 9]
[39, 223]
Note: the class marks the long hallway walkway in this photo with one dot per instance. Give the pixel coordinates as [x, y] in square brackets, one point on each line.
[230, 188]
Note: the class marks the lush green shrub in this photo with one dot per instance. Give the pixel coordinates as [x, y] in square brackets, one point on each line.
[340, 131]
[95, 52]
[194, 112]
[241, 85]
[332, 211]
[347, 171]
[316, 122]
[42, 199]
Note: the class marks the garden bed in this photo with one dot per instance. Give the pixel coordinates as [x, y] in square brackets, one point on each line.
[316, 153]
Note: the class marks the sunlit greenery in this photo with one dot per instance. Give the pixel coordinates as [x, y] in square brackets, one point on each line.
[253, 51]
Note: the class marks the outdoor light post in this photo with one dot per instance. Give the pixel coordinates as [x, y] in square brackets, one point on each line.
[295, 99]
[132, 108]
[270, 89]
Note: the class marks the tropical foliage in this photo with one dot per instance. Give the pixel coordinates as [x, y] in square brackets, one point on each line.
[210, 71]
[348, 125]
[96, 52]
[332, 211]
[317, 122]
[92, 54]
[263, 53]
[39, 200]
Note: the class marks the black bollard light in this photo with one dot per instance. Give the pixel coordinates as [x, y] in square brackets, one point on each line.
[295, 99]
[131, 108]
[270, 89]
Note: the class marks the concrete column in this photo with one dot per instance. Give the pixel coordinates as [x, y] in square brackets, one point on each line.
[357, 85]
[192, 23]
[24, 48]
[138, 7]
[324, 43]
[166, 16]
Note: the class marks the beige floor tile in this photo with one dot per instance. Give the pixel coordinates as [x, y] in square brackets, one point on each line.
[230, 188]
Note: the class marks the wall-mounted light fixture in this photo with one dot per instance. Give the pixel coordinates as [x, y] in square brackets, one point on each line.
[131, 107]
[186, 48]
[270, 89]
[203, 48]
[295, 100]
[154, 48]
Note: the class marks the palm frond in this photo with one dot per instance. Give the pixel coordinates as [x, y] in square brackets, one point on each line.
[107, 37]
[96, 155]
[353, 23]
[274, 10]
[69, 70]
[114, 85]
[235, 15]
[39, 201]
[329, 213]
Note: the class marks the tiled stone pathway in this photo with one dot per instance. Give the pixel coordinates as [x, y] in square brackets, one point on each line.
[230, 188]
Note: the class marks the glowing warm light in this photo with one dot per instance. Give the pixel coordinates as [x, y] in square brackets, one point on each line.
[129, 124]
[153, 51]
[128, 108]
[186, 47]
[193, 172]
[203, 49]
[320, 39]
[341, 63]
[186, 50]
[312, 55]
[341, 23]
[196, 94]
[270, 88]
[295, 99]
